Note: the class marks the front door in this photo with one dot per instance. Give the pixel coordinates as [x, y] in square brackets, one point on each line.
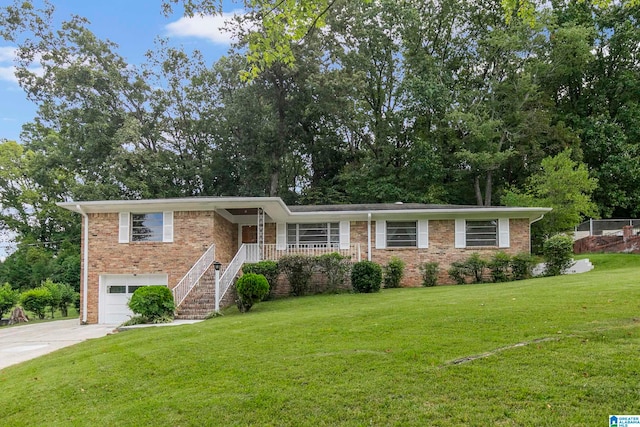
[249, 234]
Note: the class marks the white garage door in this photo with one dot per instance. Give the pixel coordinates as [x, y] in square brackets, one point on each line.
[116, 291]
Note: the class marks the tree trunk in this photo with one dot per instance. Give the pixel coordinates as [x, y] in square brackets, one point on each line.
[488, 189]
[17, 316]
[476, 186]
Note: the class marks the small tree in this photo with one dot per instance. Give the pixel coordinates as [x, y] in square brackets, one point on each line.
[251, 289]
[153, 303]
[562, 184]
[558, 253]
[8, 299]
[336, 268]
[457, 272]
[393, 273]
[475, 266]
[366, 277]
[499, 266]
[269, 269]
[298, 269]
[521, 266]
[68, 296]
[36, 300]
[429, 272]
[56, 295]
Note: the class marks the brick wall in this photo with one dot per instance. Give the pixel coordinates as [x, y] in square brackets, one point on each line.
[441, 248]
[193, 233]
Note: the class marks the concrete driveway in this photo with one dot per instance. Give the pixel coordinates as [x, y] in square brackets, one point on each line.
[25, 342]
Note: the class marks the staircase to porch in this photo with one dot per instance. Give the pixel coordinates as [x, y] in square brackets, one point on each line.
[200, 302]
[195, 295]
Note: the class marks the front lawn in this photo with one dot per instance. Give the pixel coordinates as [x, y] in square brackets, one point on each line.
[549, 351]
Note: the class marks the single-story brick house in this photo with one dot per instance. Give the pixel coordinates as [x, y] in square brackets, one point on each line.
[174, 242]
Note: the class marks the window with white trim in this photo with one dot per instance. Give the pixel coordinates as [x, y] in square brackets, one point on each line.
[402, 234]
[147, 227]
[481, 233]
[323, 234]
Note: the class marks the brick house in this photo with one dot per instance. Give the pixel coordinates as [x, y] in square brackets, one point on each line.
[174, 242]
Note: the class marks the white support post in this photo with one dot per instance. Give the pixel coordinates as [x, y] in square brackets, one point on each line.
[216, 266]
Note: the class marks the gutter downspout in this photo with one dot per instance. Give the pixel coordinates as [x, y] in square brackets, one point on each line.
[85, 264]
[369, 236]
[531, 222]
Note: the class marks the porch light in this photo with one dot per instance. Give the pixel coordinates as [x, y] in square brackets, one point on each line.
[217, 265]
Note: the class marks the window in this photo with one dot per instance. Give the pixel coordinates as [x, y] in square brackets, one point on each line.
[482, 233]
[401, 234]
[146, 227]
[317, 234]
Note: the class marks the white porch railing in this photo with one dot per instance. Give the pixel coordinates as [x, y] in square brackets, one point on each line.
[231, 271]
[273, 253]
[194, 275]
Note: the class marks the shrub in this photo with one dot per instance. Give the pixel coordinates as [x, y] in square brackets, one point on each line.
[36, 300]
[298, 269]
[269, 269]
[474, 267]
[457, 272]
[8, 298]
[154, 303]
[366, 277]
[336, 268]
[499, 266]
[429, 272]
[521, 266]
[56, 295]
[558, 252]
[251, 289]
[67, 296]
[393, 273]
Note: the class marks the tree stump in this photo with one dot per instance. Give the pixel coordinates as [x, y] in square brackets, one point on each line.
[17, 316]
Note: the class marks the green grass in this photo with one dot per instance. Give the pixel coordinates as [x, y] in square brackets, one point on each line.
[353, 360]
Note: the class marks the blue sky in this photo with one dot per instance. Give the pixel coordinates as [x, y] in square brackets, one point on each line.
[133, 25]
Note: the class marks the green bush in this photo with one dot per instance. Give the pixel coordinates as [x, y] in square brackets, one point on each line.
[251, 289]
[366, 277]
[56, 295]
[393, 273]
[429, 272]
[269, 269]
[36, 300]
[68, 296]
[458, 272]
[475, 267]
[8, 299]
[558, 253]
[499, 266]
[298, 269]
[521, 266]
[154, 303]
[336, 269]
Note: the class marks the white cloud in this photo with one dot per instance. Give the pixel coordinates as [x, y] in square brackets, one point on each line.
[7, 53]
[206, 27]
[7, 71]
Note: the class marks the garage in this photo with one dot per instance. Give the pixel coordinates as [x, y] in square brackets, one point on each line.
[116, 291]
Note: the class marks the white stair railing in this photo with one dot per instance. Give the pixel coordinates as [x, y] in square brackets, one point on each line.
[194, 275]
[226, 280]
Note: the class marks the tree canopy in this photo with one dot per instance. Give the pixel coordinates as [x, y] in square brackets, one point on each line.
[416, 101]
